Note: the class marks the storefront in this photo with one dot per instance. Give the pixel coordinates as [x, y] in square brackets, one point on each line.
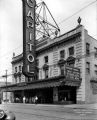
[67, 94]
[56, 90]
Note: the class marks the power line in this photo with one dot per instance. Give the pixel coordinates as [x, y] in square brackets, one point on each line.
[59, 23]
[77, 12]
[10, 51]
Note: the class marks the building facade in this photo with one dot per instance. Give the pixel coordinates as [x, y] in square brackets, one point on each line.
[66, 70]
[5, 96]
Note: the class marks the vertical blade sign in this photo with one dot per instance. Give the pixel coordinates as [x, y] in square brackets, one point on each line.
[29, 38]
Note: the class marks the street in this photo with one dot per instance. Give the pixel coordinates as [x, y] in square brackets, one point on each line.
[52, 112]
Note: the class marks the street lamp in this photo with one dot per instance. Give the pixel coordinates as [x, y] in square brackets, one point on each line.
[5, 76]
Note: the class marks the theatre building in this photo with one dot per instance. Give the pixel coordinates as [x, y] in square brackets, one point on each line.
[66, 70]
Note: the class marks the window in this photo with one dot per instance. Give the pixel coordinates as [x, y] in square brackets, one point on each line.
[46, 73]
[87, 67]
[62, 70]
[95, 52]
[71, 51]
[46, 59]
[15, 69]
[20, 68]
[62, 54]
[37, 68]
[19, 79]
[15, 79]
[87, 48]
[95, 69]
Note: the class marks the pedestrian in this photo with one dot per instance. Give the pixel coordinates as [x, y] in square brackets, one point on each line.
[24, 99]
[36, 99]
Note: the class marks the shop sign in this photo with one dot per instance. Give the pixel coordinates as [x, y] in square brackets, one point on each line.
[72, 73]
[29, 37]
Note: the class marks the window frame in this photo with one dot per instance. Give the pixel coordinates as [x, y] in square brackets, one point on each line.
[95, 54]
[62, 70]
[16, 69]
[46, 58]
[62, 54]
[87, 48]
[88, 67]
[20, 68]
[71, 51]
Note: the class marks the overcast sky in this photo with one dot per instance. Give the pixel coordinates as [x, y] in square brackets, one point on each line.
[11, 23]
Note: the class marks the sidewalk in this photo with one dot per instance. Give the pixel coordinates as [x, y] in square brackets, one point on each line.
[91, 106]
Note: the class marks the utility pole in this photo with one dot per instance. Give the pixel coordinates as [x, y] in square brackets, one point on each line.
[96, 19]
[6, 84]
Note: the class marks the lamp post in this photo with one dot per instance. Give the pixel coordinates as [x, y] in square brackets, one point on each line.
[5, 76]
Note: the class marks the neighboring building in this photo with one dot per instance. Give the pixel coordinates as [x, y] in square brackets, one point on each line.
[58, 64]
[5, 96]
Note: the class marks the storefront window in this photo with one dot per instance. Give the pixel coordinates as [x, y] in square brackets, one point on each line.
[64, 96]
[67, 94]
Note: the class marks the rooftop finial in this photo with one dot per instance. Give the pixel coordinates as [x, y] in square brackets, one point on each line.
[13, 54]
[79, 20]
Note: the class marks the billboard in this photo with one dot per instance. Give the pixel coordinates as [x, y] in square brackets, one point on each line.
[29, 37]
[72, 73]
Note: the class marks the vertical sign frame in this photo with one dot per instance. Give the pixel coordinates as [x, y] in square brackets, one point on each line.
[29, 62]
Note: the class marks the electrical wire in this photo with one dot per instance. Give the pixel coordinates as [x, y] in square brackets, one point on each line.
[76, 58]
[59, 23]
[77, 12]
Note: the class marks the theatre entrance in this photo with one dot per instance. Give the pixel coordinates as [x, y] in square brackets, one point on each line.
[67, 94]
[45, 95]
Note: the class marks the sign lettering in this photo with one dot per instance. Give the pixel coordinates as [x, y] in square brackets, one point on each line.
[29, 38]
[30, 15]
[30, 3]
[72, 73]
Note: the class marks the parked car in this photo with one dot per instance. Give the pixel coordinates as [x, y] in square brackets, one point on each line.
[7, 115]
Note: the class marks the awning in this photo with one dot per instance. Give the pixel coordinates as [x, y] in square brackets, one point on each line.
[34, 86]
[54, 82]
